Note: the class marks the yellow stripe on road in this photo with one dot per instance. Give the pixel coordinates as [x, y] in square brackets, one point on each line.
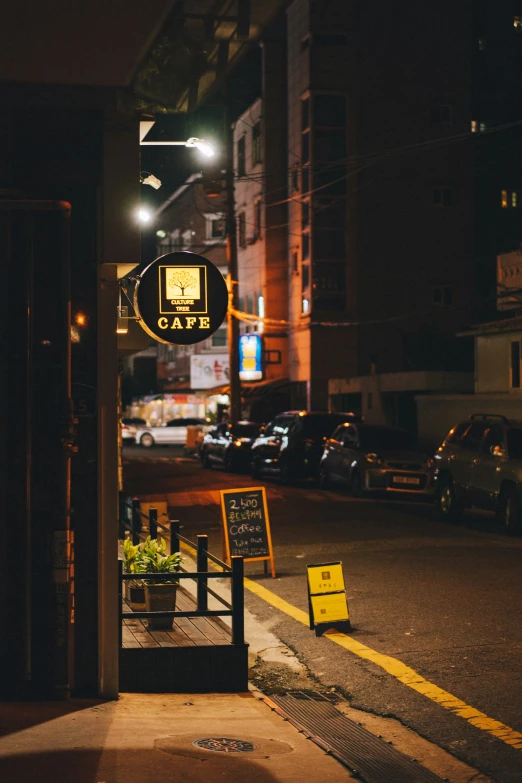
[400, 671]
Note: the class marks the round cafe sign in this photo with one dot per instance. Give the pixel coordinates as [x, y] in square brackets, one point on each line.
[180, 298]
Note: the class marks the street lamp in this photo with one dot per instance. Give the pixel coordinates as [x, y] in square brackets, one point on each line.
[200, 144]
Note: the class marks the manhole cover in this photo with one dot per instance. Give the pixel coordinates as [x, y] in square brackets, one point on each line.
[225, 745]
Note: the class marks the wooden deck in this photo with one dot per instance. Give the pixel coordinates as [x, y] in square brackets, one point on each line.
[196, 656]
[186, 631]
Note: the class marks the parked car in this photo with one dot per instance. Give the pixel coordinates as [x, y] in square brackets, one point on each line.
[129, 425]
[373, 458]
[480, 464]
[229, 445]
[290, 446]
[172, 432]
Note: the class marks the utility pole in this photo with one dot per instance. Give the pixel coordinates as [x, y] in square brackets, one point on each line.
[233, 323]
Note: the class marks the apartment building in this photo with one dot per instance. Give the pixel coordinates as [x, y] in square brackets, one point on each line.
[261, 212]
[404, 174]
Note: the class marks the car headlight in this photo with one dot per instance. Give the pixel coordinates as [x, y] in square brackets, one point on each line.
[374, 459]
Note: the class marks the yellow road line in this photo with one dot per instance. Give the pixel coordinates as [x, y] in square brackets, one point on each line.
[400, 671]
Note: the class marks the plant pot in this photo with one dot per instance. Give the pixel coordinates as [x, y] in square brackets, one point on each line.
[160, 598]
[135, 596]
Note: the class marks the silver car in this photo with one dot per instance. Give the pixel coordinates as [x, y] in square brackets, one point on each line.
[372, 458]
[170, 433]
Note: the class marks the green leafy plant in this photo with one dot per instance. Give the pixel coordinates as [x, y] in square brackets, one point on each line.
[154, 560]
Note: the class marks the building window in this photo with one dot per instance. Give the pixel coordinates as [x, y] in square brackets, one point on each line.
[186, 239]
[256, 143]
[474, 126]
[443, 197]
[441, 114]
[305, 214]
[294, 179]
[481, 43]
[515, 365]
[329, 111]
[482, 126]
[305, 247]
[241, 304]
[219, 338]
[305, 278]
[443, 295]
[241, 229]
[305, 113]
[305, 306]
[250, 304]
[517, 23]
[305, 147]
[295, 262]
[329, 146]
[261, 306]
[305, 43]
[508, 198]
[241, 157]
[215, 225]
[257, 218]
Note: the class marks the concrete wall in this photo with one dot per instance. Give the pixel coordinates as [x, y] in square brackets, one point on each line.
[437, 414]
[493, 362]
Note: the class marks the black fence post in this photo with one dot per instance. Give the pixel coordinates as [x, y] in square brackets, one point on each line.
[202, 566]
[153, 522]
[120, 602]
[136, 521]
[238, 601]
[174, 536]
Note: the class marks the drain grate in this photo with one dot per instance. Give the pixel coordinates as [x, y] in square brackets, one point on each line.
[365, 755]
[224, 745]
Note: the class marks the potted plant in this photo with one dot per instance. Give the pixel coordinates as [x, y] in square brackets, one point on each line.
[133, 564]
[160, 596]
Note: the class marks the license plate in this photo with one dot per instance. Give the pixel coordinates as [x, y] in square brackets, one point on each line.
[405, 480]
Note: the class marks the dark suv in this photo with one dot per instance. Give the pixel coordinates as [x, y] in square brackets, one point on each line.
[480, 464]
[291, 445]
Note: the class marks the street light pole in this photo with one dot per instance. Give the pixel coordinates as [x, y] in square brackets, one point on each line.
[233, 323]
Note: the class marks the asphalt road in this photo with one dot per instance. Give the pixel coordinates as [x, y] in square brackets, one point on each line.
[444, 600]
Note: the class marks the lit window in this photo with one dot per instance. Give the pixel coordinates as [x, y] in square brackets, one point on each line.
[503, 198]
[517, 23]
[443, 197]
[474, 126]
[482, 126]
[305, 306]
[481, 44]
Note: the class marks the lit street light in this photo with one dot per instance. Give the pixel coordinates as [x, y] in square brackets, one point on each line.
[200, 144]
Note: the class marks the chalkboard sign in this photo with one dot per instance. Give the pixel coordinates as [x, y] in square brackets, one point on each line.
[246, 525]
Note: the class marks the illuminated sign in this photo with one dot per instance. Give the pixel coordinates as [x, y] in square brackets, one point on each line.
[180, 298]
[250, 357]
[327, 602]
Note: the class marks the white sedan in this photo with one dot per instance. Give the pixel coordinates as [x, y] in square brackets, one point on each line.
[173, 432]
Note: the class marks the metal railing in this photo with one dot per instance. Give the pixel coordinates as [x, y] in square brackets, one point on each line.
[235, 609]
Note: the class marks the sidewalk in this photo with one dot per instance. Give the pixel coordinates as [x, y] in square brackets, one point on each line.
[148, 738]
